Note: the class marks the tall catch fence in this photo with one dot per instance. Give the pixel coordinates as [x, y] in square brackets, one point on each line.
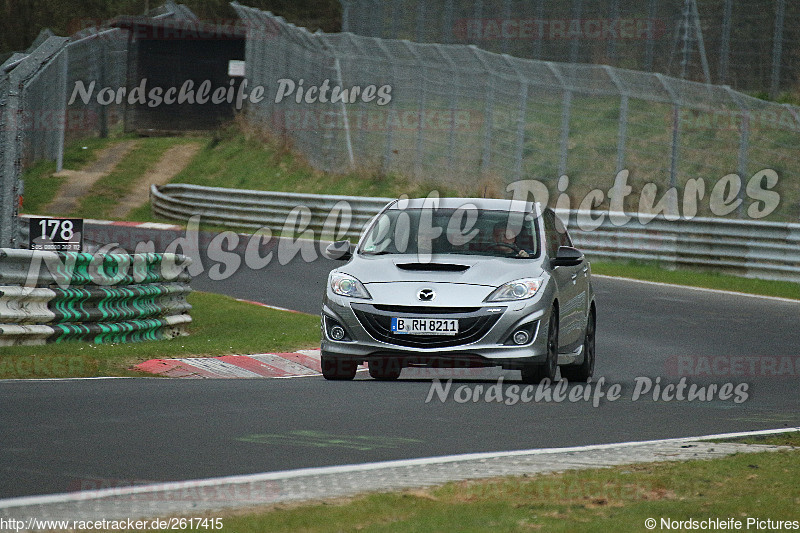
[473, 121]
[36, 118]
[751, 45]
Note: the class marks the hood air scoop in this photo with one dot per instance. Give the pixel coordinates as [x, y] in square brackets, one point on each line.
[432, 267]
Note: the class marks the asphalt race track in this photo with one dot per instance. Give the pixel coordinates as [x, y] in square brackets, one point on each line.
[65, 435]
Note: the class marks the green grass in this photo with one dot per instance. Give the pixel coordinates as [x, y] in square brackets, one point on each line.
[789, 438]
[40, 184]
[710, 280]
[243, 158]
[220, 326]
[761, 485]
[104, 194]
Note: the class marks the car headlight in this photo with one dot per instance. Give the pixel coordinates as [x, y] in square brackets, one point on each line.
[345, 285]
[516, 290]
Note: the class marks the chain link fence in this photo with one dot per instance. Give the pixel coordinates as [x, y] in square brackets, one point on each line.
[36, 116]
[465, 118]
[23, 78]
[749, 44]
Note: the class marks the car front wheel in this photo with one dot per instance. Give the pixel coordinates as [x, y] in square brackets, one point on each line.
[385, 369]
[585, 370]
[536, 373]
[337, 369]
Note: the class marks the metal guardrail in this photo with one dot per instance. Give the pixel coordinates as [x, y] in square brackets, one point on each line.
[256, 209]
[748, 248]
[101, 298]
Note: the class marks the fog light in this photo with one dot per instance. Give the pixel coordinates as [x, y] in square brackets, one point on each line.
[337, 333]
[521, 337]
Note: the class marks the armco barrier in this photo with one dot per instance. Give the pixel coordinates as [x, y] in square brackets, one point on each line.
[103, 298]
[750, 248]
[256, 209]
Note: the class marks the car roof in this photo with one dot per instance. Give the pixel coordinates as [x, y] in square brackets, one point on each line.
[489, 204]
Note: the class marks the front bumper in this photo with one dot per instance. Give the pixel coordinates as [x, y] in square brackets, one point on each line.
[484, 339]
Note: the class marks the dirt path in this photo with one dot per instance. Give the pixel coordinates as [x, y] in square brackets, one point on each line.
[79, 182]
[172, 162]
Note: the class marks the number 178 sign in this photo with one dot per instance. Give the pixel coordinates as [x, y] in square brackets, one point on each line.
[56, 234]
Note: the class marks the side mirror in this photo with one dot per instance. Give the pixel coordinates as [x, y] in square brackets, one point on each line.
[567, 256]
[339, 251]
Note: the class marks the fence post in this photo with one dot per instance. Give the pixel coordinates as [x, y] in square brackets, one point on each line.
[10, 156]
[420, 32]
[345, 15]
[777, 48]
[422, 104]
[537, 43]
[622, 132]
[331, 53]
[566, 107]
[701, 46]
[478, 16]
[364, 119]
[521, 118]
[378, 21]
[676, 137]
[393, 21]
[650, 42]
[455, 83]
[793, 111]
[63, 126]
[488, 122]
[725, 46]
[387, 152]
[744, 143]
[447, 22]
[573, 47]
[506, 15]
[103, 82]
[611, 48]
[348, 142]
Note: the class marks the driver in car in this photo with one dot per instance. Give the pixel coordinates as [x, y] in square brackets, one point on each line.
[503, 242]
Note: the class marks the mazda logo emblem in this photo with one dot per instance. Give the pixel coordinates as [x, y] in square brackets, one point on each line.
[426, 295]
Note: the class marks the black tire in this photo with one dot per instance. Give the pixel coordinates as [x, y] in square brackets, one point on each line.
[534, 374]
[385, 369]
[584, 371]
[337, 369]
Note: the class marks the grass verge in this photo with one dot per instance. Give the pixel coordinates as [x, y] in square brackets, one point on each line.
[752, 485]
[105, 193]
[790, 438]
[709, 280]
[220, 326]
[241, 157]
[40, 184]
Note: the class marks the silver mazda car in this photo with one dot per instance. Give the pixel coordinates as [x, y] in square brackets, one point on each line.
[460, 282]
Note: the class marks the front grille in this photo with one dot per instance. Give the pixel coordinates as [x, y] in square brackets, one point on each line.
[432, 267]
[425, 310]
[473, 324]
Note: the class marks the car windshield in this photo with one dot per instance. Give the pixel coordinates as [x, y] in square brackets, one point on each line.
[466, 231]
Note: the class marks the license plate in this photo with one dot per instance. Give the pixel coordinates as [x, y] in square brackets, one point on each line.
[424, 326]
